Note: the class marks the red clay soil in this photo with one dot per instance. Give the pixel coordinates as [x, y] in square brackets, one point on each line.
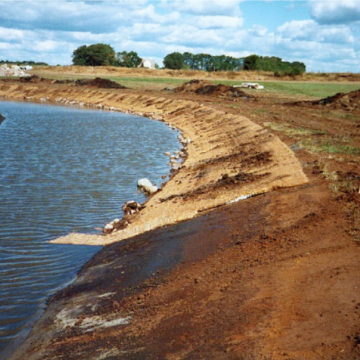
[273, 277]
[255, 280]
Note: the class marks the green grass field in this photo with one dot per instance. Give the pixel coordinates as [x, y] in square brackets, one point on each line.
[301, 89]
[314, 90]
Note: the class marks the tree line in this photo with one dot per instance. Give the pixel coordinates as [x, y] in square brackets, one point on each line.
[208, 62]
[23, 62]
[105, 55]
[274, 64]
[204, 62]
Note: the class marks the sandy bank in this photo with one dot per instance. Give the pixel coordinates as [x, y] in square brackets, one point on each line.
[229, 156]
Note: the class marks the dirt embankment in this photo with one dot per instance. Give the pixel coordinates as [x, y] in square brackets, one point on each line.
[272, 277]
[228, 157]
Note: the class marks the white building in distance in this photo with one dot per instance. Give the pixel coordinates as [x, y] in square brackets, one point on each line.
[147, 63]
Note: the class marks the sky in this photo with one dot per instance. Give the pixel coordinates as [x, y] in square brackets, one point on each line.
[325, 35]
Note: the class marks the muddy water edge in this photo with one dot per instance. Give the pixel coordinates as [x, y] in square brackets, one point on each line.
[45, 150]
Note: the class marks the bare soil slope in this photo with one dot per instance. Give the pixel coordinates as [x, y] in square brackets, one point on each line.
[274, 277]
[228, 156]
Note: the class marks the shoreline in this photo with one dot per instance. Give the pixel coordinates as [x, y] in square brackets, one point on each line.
[268, 277]
[162, 163]
[221, 166]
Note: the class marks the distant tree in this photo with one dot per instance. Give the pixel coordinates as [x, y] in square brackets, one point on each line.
[212, 63]
[80, 56]
[188, 60]
[23, 62]
[94, 55]
[128, 59]
[274, 64]
[250, 62]
[298, 68]
[174, 61]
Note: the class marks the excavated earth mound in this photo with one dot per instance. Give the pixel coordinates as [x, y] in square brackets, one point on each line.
[99, 83]
[192, 86]
[35, 79]
[221, 91]
[203, 87]
[348, 101]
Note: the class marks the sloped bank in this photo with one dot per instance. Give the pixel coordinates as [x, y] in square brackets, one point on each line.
[271, 277]
[229, 157]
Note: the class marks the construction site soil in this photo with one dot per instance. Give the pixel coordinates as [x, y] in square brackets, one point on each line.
[348, 101]
[97, 82]
[203, 87]
[275, 276]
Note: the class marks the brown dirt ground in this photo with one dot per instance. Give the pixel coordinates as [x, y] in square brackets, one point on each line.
[99, 83]
[203, 87]
[274, 277]
[346, 101]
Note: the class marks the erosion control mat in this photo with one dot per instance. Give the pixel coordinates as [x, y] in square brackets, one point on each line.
[229, 158]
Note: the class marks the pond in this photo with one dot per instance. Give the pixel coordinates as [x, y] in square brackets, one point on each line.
[64, 170]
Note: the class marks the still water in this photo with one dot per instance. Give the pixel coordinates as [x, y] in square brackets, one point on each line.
[63, 170]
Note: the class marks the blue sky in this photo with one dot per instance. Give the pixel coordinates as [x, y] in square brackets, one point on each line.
[323, 34]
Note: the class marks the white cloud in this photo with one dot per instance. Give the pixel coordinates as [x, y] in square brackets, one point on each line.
[205, 7]
[213, 22]
[258, 30]
[335, 12]
[51, 30]
[11, 34]
[191, 36]
[75, 15]
[46, 46]
[311, 31]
